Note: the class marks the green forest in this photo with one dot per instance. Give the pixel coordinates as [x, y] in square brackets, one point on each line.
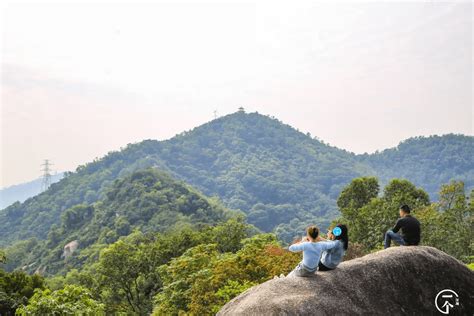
[195, 268]
[281, 178]
[147, 201]
[184, 225]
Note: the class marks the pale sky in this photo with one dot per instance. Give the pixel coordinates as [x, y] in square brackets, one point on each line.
[80, 80]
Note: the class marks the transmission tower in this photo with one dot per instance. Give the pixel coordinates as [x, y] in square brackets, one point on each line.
[46, 175]
[215, 114]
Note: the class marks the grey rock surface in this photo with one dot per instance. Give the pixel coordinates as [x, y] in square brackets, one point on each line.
[395, 281]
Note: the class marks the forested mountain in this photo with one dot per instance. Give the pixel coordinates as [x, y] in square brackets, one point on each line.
[127, 233]
[254, 163]
[426, 161]
[197, 269]
[281, 178]
[147, 200]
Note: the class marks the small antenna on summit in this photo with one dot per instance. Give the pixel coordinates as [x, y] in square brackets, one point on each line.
[215, 114]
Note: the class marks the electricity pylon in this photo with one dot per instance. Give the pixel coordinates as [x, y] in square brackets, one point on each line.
[46, 182]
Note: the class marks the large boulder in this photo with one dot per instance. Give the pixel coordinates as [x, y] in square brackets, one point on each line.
[395, 281]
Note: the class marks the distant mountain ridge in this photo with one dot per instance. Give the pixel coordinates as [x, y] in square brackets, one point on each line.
[281, 178]
[21, 192]
[426, 161]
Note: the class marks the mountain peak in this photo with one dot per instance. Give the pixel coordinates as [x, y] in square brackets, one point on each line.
[251, 127]
[281, 178]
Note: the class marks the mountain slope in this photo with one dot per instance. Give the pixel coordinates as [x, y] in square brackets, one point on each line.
[281, 178]
[147, 200]
[263, 167]
[252, 162]
[426, 161]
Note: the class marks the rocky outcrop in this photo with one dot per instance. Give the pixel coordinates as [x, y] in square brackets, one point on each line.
[70, 248]
[395, 281]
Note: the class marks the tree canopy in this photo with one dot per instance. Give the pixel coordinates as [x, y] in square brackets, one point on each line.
[147, 201]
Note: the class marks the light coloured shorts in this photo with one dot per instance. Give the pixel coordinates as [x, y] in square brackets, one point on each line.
[301, 271]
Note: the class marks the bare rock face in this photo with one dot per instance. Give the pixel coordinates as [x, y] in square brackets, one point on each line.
[70, 248]
[395, 281]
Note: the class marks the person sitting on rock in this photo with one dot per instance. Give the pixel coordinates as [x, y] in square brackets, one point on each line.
[311, 252]
[410, 230]
[331, 258]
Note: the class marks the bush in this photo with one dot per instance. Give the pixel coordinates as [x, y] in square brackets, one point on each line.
[72, 300]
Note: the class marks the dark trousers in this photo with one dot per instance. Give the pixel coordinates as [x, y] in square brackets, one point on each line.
[322, 267]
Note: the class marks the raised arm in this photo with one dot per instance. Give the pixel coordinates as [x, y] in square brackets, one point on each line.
[326, 245]
[297, 247]
[319, 238]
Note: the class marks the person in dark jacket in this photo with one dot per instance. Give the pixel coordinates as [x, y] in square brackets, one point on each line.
[409, 227]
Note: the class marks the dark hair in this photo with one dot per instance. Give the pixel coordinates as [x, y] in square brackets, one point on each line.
[344, 236]
[313, 231]
[405, 208]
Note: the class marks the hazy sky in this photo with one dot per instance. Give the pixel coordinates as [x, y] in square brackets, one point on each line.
[79, 80]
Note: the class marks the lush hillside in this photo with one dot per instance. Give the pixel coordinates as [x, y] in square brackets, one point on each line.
[23, 191]
[281, 178]
[147, 201]
[427, 161]
[196, 270]
[254, 163]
